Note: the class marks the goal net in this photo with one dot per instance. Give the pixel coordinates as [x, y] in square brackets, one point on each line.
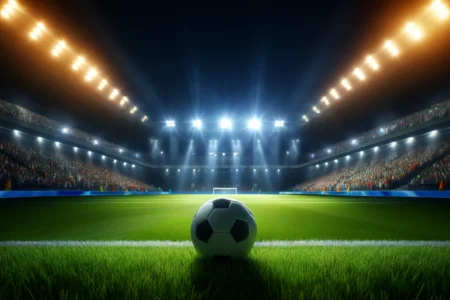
[221, 190]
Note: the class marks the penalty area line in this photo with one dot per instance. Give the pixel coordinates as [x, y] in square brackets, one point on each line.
[262, 244]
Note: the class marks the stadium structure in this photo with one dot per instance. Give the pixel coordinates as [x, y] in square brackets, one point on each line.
[114, 211]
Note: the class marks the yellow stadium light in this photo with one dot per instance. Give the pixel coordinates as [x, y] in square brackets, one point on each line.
[37, 31]
[372, 63]
[440, 9]
[360, 74]
[335, 94]
[114, 94]
[391, 48]
[305, 118]
[316, 110]
[346, 84]
[78, 63]
[144, 119]
[59, 48]
[102, 84]
[123, 101]
[133, 110]
[5, 14]
[91, 74]
[414, 32]
[325, 100]
[13, 3]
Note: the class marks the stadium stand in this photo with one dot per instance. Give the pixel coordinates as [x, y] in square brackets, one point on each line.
[22, 114]
[28, 167]
[434, 112]
[414, 167]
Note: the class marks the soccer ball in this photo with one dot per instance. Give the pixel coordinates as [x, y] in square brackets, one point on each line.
[223, 228]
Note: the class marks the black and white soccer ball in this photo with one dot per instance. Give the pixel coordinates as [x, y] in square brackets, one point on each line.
[223, 228]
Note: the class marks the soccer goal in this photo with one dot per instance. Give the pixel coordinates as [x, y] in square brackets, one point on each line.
[222, 190]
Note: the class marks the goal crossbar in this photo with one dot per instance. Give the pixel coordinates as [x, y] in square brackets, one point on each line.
[224, 190]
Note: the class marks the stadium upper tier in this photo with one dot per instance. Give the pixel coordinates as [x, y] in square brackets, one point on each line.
[434, 112]
[26, 165]
[21, 114]
[419, 163]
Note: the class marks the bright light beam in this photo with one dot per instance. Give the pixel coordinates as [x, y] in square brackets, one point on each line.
[317, 111]
[346, 84]
[197, 123]
[370, 60]
[359, 74]
[225, 123]
[413, 31]
[335, 94]
[440, 9]
[114, 94]
[254, 124]
[391, 48]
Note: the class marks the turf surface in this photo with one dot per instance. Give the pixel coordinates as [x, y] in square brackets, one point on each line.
[169, 217]
[177, 273]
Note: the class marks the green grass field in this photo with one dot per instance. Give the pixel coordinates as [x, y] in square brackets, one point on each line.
[101, 272]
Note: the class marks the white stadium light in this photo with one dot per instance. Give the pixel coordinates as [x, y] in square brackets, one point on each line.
[376, 149]
[354, 142]
[65, 130]
[326, 164]
[317, 166]
[361, 153]
[254, 124]
[170, 123]
[279, 123]
[225, 123]
[328, 150]
[145, 118]
[334, 93]
[162, 152]
[57, 144]
[197, 123]
[336, 161]
[305, 118]
[325, 100]
[167, 170]
[433, 133]
[124, 163]
[347, 157]
[89, 153]
[316, 110]
[123, 101]
[16, 132]
[39, 139]
[394, 144]
[133, 166]
[223, 154]
[102, 84]
[115, 161]
[278, 170]
[114, 94]
[103, 157]
[95, 142]
[410, 140]
[133, 110]
[345, 83]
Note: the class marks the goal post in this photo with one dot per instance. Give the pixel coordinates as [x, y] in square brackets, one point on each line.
[222, 190]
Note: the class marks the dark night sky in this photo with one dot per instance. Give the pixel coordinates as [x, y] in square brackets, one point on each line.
[185, 59]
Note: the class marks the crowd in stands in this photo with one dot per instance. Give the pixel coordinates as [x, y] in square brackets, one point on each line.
[34, 168]
[434, 112]
[24, 115]
[419, 165]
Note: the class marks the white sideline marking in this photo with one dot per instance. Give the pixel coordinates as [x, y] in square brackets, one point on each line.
[263, 244]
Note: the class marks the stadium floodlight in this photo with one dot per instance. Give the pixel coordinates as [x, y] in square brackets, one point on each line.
[120, 151]
[336, 161]
[115, 161]
[91, 74]
[254, 124]
[223, 154]
[162, 152]
[317, 166]
[376, 149]
[359, 74]
[114, 94]
[75, 149]
[325, 100]
[410, 140]
[347, 157]
[145, 118]
[316, 110]
[65, 130]
[225, 123]
[60, 46]
[95, 142]
[413, 31]
[394, 144]
[433, 133]
[167, 170]
[235, 154]
[354, 142]
[102, 84]
[133, 166]
[124, 163]
[305, 118]
[279, 123]
[334, 93]
[391, 48]
[212, 170]
[266, 170]
[89, 153]
[36, 33]
[326, 164]
[371, 61]
[329, 151]
[287, 152]
[346, 84]
[197, 123]
[440, 9]
[237, 170]
[9, 9]
[170, 123]
[57, 144]
[103, 157]
[361, 153]
[123, 101]
[79, 62]
[312, 155]
[133, 110]
[178, 170]
[39, 139]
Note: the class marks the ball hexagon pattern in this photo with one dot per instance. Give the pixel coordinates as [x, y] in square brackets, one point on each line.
[223, 227]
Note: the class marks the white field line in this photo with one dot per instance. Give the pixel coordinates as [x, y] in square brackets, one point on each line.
[246, 202]
[263, 244]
